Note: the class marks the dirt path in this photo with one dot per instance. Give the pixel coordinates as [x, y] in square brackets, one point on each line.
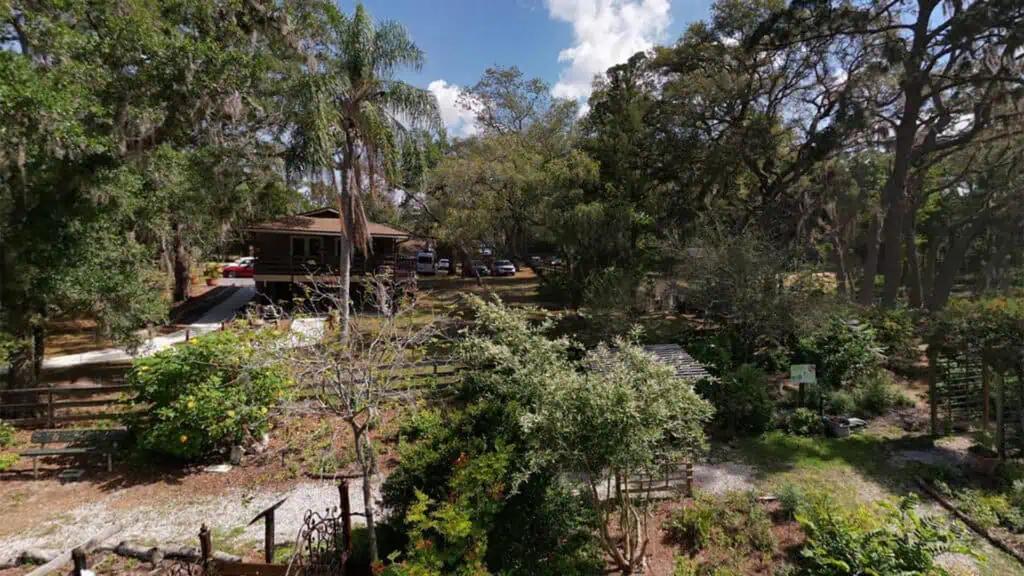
[175, 516]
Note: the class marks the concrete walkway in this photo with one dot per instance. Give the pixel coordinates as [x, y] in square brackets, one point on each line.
[208, 322]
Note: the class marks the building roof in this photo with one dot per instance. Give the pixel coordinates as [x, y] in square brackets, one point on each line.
[674, 356]
[323, 221]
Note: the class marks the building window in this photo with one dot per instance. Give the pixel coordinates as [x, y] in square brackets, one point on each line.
[307, 247]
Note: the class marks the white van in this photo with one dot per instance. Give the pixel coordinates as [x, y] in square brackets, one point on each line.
[425, 263]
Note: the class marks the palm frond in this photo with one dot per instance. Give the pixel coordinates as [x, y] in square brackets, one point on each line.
[410, 105]
[356, 42]
[393, 48]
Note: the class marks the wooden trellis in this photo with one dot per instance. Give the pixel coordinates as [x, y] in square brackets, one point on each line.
[967, 394]
[960, 390]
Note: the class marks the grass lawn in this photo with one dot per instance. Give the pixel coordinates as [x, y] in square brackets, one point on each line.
[854, 471]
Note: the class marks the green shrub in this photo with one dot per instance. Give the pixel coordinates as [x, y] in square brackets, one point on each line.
[206, 395]
[976, 505]
[791, 498]
[691, 527]
[888, 539]
[1016, 492]
[875, 393]
[736, 520]
[684, 566]
[844, 350]
[801, 422]
[741, 400]
[7, 460]
[894, 331]
[6, 434]
[213, 270]
[841, 403]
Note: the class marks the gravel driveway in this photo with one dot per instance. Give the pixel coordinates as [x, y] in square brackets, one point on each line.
[178, 522]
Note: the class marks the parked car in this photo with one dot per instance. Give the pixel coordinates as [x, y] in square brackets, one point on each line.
[481, 269]
[444, 265]
[504, 268]
[241, 268]
[425, 263]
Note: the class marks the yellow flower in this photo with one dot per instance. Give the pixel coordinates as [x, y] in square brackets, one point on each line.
[231, 413]
[263, 410]
[191, 404]
[143, 368]
[184, 438]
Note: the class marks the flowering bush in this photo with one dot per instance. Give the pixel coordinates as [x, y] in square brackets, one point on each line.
[207, 394]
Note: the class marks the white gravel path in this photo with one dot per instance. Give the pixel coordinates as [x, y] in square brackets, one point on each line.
[209, 322]
[178, 522]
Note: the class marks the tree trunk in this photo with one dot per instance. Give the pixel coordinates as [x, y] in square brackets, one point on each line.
[913, 275]
[842, 277]
[346, 206]
[946, 274]
[342, 185]
[867, 288]
[892, 236]
[38, 346]
[930, 264]
[368, 463]
[895, 194]
[182, 278]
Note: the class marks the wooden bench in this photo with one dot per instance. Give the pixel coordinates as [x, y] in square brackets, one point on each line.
[77, 442]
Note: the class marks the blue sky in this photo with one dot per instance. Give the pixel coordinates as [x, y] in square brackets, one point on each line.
[562, 41]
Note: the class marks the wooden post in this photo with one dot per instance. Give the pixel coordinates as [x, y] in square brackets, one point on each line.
[933, 396]
[188, 334]
[78, 557]
[986, 377]
[49, 407]
[205, 547]
[1000, 430]
[268, 530]
[268, 538]
[346, 519]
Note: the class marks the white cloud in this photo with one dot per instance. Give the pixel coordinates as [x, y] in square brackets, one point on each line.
[607, 32]
[459, 121]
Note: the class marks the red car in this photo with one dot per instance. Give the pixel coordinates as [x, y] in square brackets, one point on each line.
[241, 268]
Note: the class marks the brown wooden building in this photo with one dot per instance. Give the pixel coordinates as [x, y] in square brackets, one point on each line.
[305, 248]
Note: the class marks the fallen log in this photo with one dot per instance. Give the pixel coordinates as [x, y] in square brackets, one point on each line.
[154, 554]
[37, 556]
[970, 522]
[65, 557]
[28, 556]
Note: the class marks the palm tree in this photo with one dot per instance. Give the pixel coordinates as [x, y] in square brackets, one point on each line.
[350, 112]
[371, 109]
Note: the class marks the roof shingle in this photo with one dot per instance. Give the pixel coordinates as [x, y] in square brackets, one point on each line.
[301, 224]
[674, 356]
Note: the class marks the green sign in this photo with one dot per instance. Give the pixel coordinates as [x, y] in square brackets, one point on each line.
[803, 374]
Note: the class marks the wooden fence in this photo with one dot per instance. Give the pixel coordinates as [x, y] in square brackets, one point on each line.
[61, 404]
[53, 405]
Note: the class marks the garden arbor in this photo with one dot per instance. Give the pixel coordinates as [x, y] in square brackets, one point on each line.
[976, 354]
